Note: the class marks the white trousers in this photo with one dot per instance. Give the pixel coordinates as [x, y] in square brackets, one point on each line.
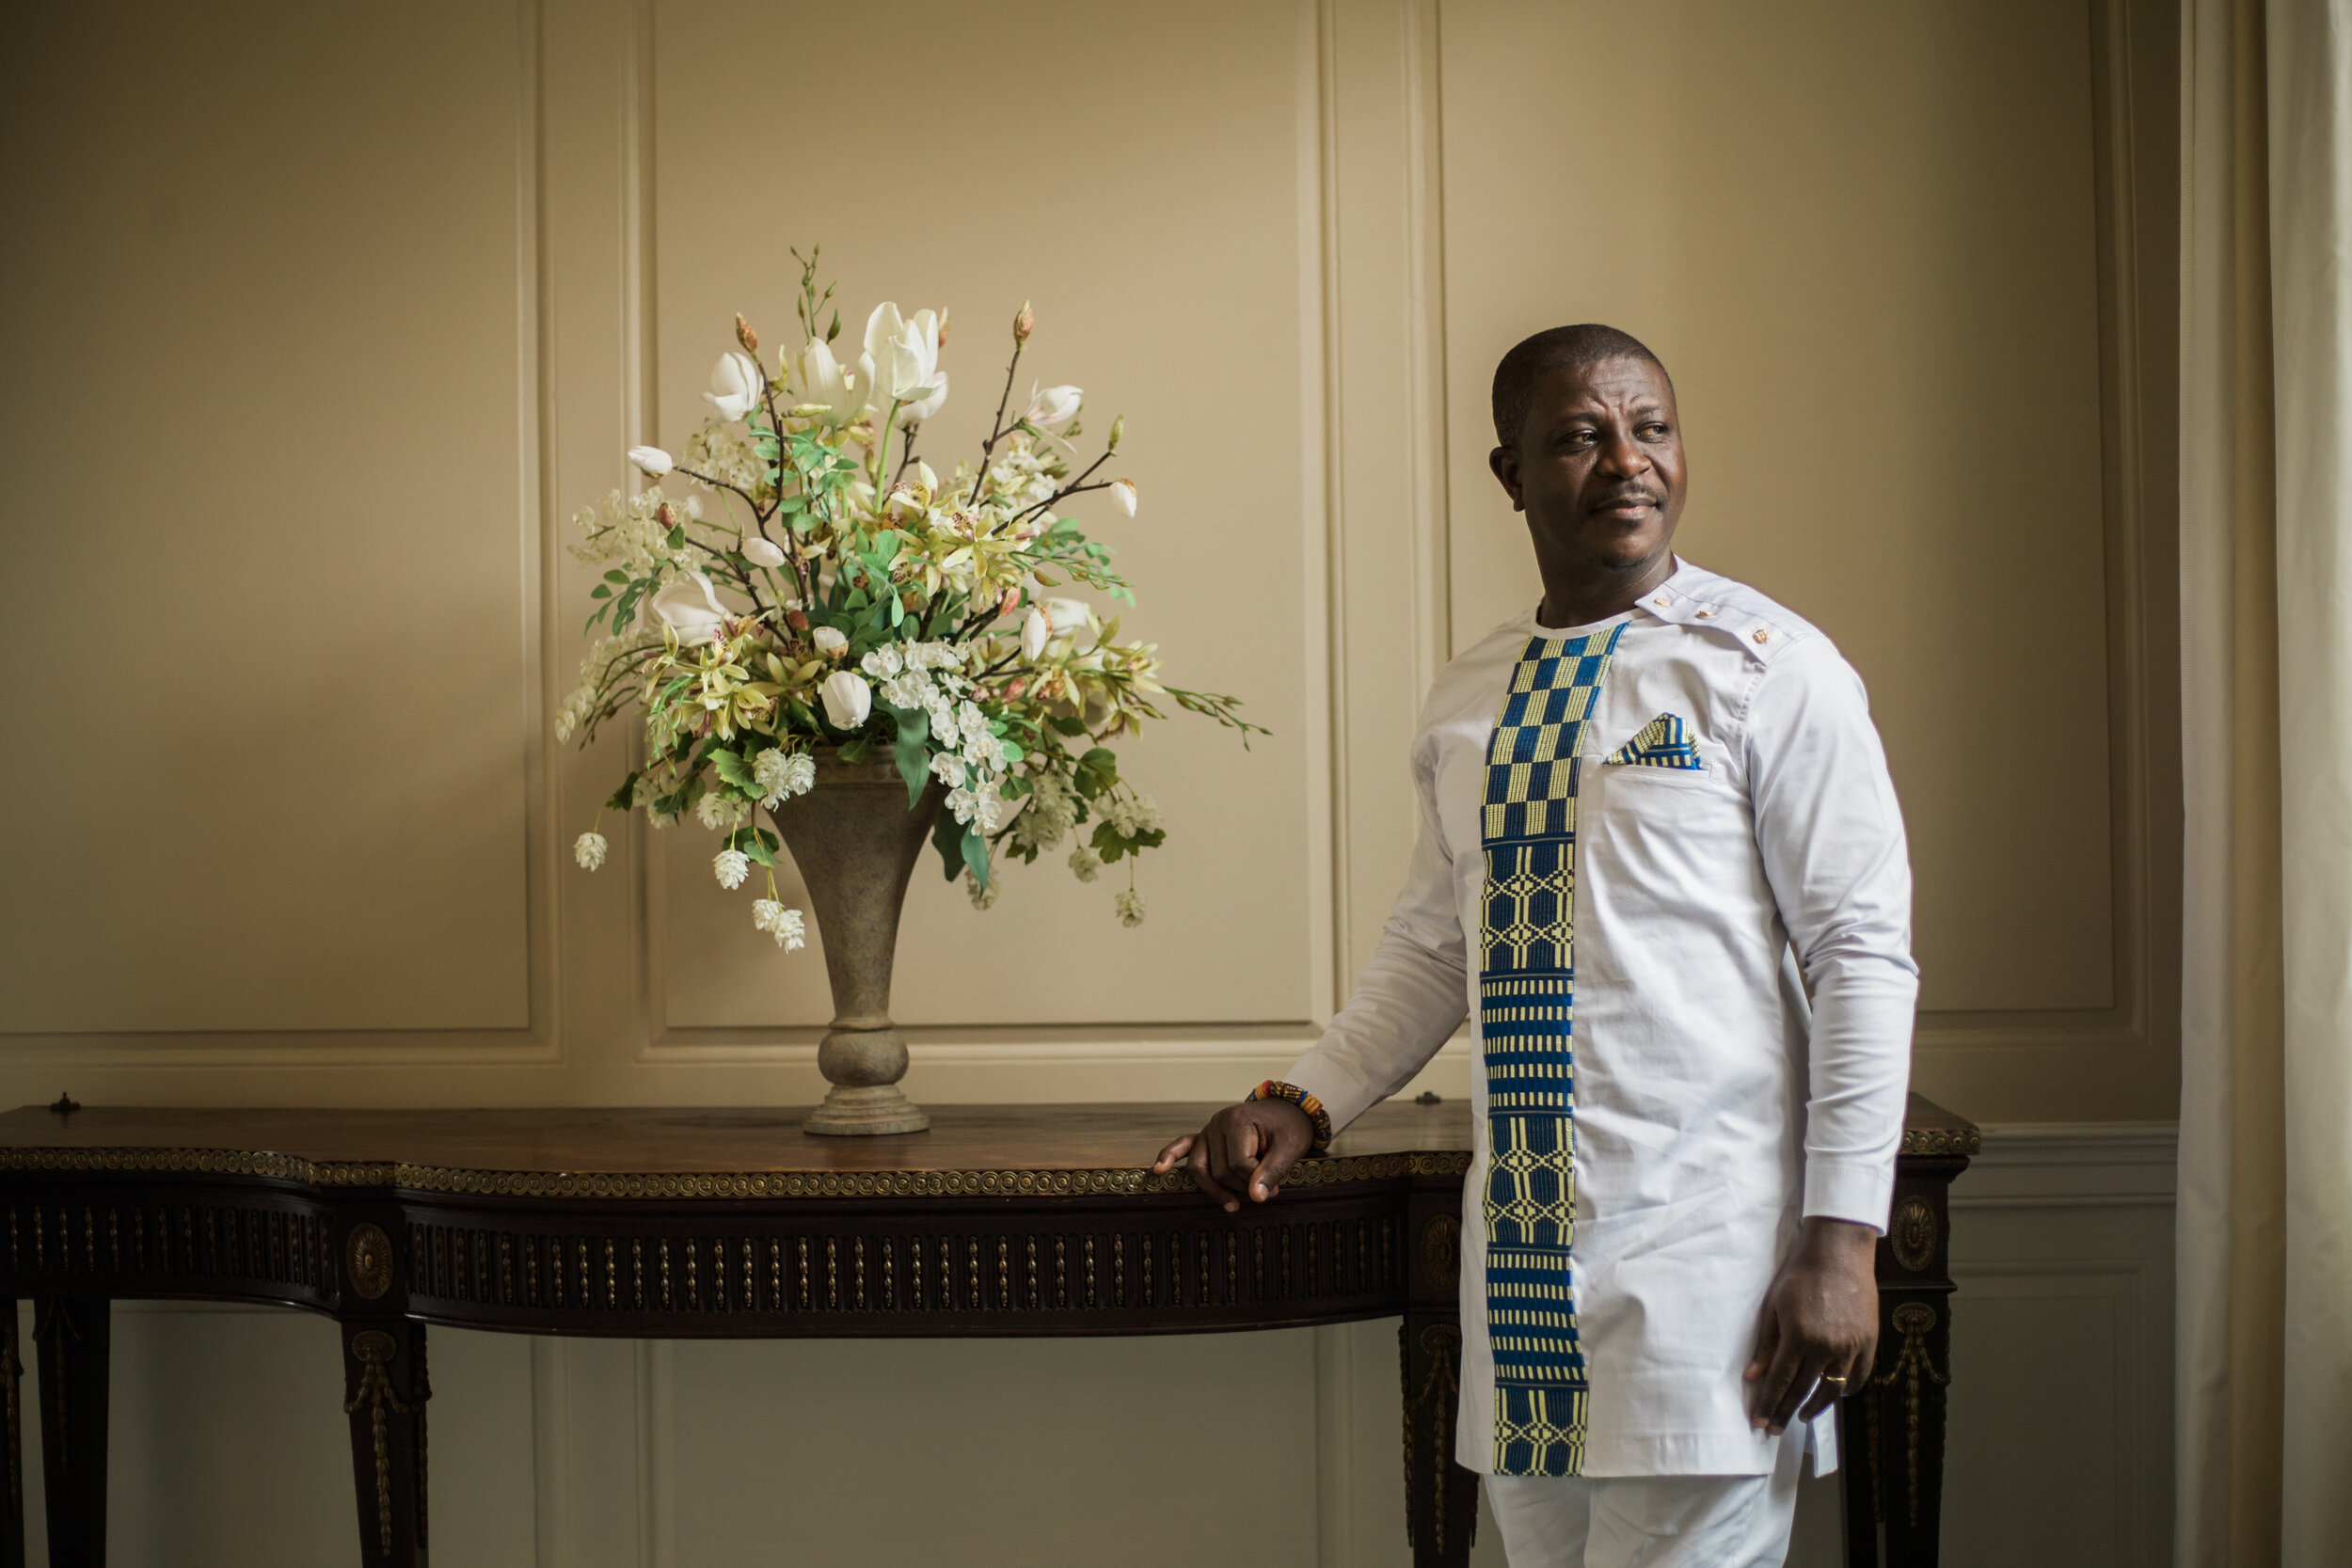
[1650, 1521]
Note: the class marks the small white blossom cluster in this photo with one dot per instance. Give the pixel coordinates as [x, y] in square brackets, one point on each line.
[1132, 814]
[783, 774]
[724, 452]
[982, 898]
[723, 812]
[1053, 810]
[928, 675]
[786, 925]
[588, 849]
[1022, 476]
[1085, 863]
[630, 533]
[577, 708]
[1129, 907]
[731, 866]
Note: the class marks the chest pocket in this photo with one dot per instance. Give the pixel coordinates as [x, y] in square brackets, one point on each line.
[1663, 744]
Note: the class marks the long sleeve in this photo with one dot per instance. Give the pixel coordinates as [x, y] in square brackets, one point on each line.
[1831, 836]
[1411, 997]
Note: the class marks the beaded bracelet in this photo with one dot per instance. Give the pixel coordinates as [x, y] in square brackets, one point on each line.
[1274, 1088]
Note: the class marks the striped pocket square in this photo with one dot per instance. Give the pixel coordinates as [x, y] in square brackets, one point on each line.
[1660, 744]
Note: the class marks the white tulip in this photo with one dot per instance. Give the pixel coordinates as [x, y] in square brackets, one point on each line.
[652, 459]
[824, 384]
[689, 607]
[828, 641]
[905, 352]
[919, 409]
[734, 385]
[847, 699]
[1123, 496]
[763, 552]
[1036, 631]
[1054, 408]
[1070, 615]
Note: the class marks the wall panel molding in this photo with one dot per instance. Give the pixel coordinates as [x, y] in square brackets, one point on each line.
[2124, 1056]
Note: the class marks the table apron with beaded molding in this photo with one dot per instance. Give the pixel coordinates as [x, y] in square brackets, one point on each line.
[1002, 1229]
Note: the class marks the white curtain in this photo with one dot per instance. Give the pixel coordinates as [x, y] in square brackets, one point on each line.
[2264, 1417]
[2311, 331]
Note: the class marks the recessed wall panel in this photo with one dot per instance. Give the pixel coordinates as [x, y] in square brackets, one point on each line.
[262, 609]
[1075, 158]
[1862, 238]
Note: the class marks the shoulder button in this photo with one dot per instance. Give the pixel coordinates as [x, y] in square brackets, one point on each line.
[1762, 635]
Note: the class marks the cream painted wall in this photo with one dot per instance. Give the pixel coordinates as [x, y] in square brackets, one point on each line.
[379, 299]
[323, 319]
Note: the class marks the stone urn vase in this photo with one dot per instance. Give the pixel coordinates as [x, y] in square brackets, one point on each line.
[855, 841]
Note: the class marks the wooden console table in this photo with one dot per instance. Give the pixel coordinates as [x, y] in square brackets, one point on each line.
[693, 1224]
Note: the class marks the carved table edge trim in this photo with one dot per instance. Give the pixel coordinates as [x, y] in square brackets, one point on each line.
[706, 1184]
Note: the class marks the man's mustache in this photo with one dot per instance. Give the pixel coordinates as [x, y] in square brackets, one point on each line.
[1633, 493]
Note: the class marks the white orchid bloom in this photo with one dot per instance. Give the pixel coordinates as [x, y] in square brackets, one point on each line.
[734, 385]
[1036, 631]
[689, 607]
[825, 384]
[1123, 496]
[847, 699]
[1054, 408]
[828, 641]
[763, 552]
[905, 352]
[653, 460]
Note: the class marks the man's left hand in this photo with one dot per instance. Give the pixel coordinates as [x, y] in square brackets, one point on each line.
[1818, 1337]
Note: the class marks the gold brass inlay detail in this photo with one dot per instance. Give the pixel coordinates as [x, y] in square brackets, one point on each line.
[1912, 1233]
[1943, 1140]
[737, 1185]
[375, 1348]
[368, 1259]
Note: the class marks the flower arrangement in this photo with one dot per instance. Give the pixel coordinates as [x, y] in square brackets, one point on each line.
[841, 593]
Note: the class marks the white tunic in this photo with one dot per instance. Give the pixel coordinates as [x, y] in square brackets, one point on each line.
[1713, 1105]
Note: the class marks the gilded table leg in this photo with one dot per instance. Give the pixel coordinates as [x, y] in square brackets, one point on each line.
[384, 1391]
[1857, 1478]
[1441, 1497]
[1914, 1356]
[12, 1386]
[73, 1335]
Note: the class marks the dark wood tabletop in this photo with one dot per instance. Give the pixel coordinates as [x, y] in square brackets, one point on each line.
[699, 1140]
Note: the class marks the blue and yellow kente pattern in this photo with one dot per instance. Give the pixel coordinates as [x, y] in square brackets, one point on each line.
[1526, 987]
[1660, 743]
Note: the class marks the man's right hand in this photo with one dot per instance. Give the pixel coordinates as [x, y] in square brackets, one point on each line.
[1245, 1149]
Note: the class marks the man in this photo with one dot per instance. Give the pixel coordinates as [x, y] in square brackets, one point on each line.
[1656, 818]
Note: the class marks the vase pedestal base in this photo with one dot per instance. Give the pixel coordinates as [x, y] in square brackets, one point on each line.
[866, 1111]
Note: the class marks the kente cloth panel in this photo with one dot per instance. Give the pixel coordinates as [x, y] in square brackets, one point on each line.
[1527, 995]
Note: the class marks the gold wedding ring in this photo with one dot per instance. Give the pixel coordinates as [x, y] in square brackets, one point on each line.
[1839, 1381]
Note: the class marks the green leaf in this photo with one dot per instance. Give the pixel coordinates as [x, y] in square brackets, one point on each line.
[947, 838]
[737, 771]
[857, 750]
[758, 853]
[976, 854]
[913, 748]
[601, 591]
[616, 574]
[625, 797]
[1068, 726]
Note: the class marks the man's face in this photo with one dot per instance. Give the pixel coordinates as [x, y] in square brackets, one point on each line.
[1599, 466]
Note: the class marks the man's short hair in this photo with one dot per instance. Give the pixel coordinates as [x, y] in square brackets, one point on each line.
[1556, 348]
